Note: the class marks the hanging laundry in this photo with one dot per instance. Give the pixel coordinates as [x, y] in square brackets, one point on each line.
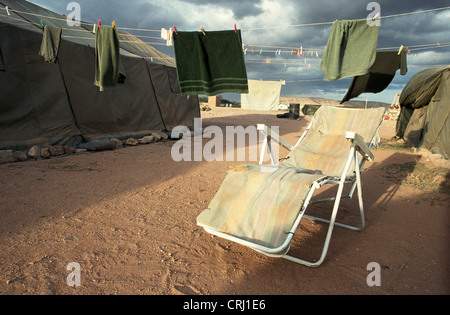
[210, 64]
[107, 57]
[51, 40]
[350, 50]
[379, 76]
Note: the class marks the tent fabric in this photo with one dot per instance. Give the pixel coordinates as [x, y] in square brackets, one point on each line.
[350, 50]
[58, 103]
[425, 111]
[2, 67]
[380, 75]
[34, 105]
[262, 95]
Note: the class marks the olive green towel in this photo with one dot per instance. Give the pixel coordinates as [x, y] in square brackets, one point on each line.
[210, 64]
[350, 50]
[107, 55]
[50, 43]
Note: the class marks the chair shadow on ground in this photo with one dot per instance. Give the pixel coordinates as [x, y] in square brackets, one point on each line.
[378, 188]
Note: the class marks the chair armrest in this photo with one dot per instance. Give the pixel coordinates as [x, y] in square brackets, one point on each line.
[361, 146]
[274, 136]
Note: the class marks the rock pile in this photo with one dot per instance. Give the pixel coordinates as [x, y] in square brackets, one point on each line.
[37, 152]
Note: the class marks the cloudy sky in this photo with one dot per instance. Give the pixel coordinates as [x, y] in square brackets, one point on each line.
[273, 25]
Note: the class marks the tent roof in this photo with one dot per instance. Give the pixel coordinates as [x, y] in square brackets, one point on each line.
[420, 89]
[27, 15]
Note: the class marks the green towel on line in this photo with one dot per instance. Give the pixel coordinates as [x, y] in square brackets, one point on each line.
[51, 39]
[107, 56]
[210, 64]
[350, 50]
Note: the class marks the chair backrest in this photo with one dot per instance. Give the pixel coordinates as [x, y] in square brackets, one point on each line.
[324, 148]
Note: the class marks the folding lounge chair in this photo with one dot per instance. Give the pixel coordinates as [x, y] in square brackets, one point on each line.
[261, 206]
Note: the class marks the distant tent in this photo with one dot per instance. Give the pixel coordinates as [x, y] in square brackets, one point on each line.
[424, 119]
[262, 95]
[58, 103]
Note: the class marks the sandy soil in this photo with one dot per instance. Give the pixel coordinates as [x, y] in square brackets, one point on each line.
[128, 217]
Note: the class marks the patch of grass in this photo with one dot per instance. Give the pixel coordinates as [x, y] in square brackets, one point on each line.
[420, 176]
[392, 144]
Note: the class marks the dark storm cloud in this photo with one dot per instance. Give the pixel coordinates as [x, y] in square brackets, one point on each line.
[241, 9]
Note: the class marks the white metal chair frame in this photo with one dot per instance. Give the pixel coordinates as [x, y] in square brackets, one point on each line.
[357, 145]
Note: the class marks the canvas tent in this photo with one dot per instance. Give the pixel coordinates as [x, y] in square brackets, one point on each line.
[424, 119]
[58, 103]
[262, 95]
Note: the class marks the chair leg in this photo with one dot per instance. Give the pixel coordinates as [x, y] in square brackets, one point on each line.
[332, 221]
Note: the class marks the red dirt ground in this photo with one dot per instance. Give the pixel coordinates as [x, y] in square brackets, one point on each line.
[128, 217]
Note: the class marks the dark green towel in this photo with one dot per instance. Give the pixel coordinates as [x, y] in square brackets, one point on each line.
[350, 49]
[210, 64]
[107, 56]
[380, 74]
[50, 43]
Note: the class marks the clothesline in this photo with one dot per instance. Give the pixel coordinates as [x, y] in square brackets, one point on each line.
[248, 29]
[291, 49]
[331, 22]
[253, 47]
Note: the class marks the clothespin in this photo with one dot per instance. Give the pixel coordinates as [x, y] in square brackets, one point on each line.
[292, 51]
[317, 54]
[42, 23]
[7, 10]
[260, 51]
[301, 50]
[407, 50]
[203, 30]
[99, 23]
[438, 44]
[113, 24]
[235, 29]
[175, 29]
[312, 53]
[169, 37]
[400, 50]
[376, 16]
